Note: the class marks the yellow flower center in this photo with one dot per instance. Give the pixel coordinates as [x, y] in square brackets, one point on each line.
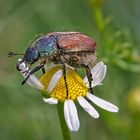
[76, 86]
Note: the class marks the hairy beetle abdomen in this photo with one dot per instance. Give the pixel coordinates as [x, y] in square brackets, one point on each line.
[78, 58]
[75, 59]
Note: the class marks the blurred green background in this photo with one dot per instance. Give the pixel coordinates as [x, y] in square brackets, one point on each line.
[114, 24]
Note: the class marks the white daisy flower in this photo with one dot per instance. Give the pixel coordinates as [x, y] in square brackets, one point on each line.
[52, 82]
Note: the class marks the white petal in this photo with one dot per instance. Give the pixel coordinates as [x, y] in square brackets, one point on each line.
[87, 107]
[50, 100]
[102, 103]
[98, 74]
[71, 116]
[54, 80]
[22, 66]
[32, 80]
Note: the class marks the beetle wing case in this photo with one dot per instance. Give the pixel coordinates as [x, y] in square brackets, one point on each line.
[75, 42]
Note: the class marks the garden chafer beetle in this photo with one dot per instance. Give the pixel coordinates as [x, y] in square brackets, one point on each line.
[72, 48]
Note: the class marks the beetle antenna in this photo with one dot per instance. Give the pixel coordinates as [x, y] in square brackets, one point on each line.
[11, 54]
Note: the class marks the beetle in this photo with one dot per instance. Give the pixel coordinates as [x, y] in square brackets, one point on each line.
[72, 48]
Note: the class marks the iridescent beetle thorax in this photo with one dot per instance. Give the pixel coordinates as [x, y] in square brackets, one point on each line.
[46, 45]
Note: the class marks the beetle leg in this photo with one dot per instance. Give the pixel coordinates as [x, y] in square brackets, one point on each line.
[89, 76]
[61, 57]
[65, 77]
[32, 72]
[27, 71]
[43, 70]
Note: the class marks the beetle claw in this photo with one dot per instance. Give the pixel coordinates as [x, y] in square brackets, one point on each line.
[24, 81]
[25, 72]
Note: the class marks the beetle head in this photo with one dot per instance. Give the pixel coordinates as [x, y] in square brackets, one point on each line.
[31, 56]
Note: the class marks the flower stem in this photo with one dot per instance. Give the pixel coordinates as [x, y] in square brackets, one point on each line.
[64, 128]
[99, 18]
[97, 12]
